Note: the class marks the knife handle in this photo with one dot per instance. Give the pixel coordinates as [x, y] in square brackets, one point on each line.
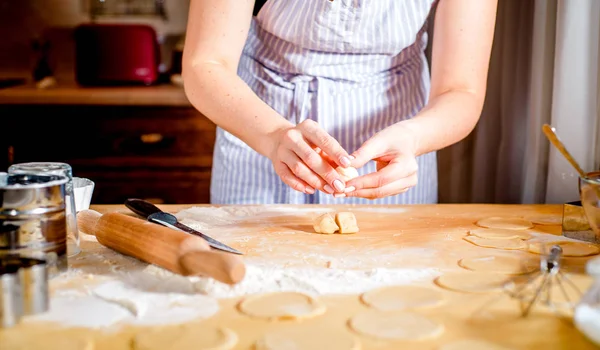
[171, 249]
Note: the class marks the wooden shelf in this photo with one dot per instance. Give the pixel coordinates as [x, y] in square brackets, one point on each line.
[72, 94]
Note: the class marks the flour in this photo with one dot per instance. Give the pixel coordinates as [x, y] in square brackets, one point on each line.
[587, 320]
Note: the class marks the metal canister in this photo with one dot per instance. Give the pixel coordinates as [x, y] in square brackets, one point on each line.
[11, 296]
[33, 218]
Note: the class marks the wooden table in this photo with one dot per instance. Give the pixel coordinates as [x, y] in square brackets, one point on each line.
[415, 236]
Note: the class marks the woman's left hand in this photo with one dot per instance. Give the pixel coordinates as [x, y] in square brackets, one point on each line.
[394, 151]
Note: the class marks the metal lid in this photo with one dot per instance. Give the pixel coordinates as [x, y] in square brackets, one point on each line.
[30, 194]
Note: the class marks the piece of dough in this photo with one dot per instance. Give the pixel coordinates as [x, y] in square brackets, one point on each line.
[509, 223]
[398, 325]
[568, 248]
[472, 344]
[348, 173]
[499, 264]
[473, 282]
[281, 306]
[325, 224]
[548, 220]
[296, 338]
[186, 337]
[56, 341]
[346, 222]
[394, 298]
[496, 233]
[508, 244]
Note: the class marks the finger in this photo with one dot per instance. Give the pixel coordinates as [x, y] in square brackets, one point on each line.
[321, 139]
[292, 180]
[397, 169]
[391, 189]
[303, 172]
[318, 164]
[371, 149]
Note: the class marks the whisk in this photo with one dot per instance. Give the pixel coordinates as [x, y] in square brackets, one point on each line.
[549, 275]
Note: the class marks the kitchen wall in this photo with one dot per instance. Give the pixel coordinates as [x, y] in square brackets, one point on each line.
[23, 20]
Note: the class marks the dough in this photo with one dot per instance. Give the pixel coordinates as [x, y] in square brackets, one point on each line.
[508, 244]
[325, 224]
[398, 325]
[346, 222]
[568, 248]
[548, 220]
[50, 341]
[296, 338]
[281, 306]
[497, 233]
[348, 173]
[499, 264]
[186, 337]
[393, 298]
[472, 344]
[473, 282]
[509, 223]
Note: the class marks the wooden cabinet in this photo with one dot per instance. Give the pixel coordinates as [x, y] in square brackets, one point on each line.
[162, 153]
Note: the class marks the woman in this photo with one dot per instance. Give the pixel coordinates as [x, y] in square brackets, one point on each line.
[310, 85]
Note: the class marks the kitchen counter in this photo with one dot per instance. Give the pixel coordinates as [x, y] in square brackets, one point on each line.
[70, 93]
[422, 241]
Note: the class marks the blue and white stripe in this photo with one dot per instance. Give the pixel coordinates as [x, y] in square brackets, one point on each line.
[354, 66]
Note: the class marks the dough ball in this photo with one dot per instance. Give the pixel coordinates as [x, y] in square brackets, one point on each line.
[346, 221]
[399, 325]
[508, 223]
[348, 173]
[281, 306]
[401, 297]
[497, 233]
[508, 244]
[325, 224]
[569, 248]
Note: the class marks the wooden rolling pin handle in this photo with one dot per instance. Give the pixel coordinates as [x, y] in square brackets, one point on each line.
[173, 250]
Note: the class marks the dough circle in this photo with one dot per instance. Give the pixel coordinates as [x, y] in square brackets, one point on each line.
[499, 264]
[509, 223]
[547, 220]
[508, 244]
[472, 344]
[186, 337]
[348, 173]
[401, 297]
[307, 339]
[396, 325]
[281, 306]
[568, 248]
[497, 233]
[472, 282]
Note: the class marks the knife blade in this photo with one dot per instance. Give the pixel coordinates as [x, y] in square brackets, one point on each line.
[152, 213]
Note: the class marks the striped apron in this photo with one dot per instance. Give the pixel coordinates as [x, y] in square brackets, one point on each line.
[354, 66]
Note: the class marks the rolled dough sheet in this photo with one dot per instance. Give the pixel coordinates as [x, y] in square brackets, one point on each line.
[497, 233]
[473, 282]
[472, 344]
[295, 338]
[395, 325]
[499, 264]
[186, 338]
[508, 244]
[401, 297]
[547, 220]
[56, 341]
[281, 306]
[508, 223]
[569, 248]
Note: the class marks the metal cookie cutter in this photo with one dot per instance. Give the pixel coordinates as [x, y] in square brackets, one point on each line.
[23, 288]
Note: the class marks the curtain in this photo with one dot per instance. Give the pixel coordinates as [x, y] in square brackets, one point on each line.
[543, 69]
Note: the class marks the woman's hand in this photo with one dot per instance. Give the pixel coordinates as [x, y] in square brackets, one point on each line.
[394, 151]
[298, 159]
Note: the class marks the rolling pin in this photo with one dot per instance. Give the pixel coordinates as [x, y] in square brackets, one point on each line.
[174, 250]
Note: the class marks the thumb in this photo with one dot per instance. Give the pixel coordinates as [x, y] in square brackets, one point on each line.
[369, 150]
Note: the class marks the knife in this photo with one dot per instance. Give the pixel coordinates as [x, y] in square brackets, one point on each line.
[153, 214]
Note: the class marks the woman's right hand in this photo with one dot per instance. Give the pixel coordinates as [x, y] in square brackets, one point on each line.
[298, 158]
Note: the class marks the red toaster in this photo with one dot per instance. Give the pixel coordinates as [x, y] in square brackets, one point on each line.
[116, 54]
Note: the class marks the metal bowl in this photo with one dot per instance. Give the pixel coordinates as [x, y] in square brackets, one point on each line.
[589, 190]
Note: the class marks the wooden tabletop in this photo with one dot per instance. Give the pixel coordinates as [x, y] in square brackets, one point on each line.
[391, 237]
